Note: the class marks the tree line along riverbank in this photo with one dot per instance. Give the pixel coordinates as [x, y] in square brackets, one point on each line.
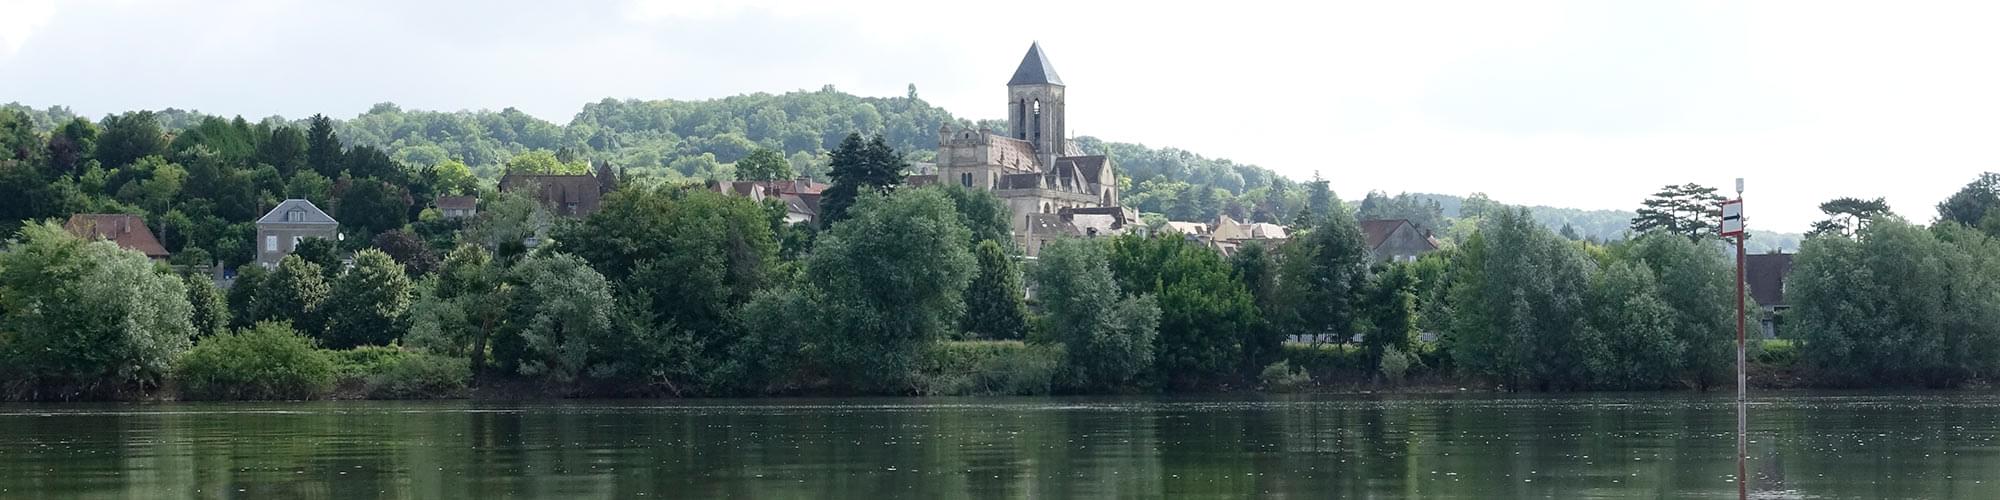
[675, 290]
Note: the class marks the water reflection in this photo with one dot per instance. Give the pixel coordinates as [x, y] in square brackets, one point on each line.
[1600, 446]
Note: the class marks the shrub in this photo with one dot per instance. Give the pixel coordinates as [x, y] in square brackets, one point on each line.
[1774, 352]
[361, 362]
[986, 368]
[1281, 376]
[1336, 361]
[421, 376]
[266, 361]
[1394, 364]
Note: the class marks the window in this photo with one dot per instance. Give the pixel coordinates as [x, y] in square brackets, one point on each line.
[270, 243]
[296, 240]
[965, 179]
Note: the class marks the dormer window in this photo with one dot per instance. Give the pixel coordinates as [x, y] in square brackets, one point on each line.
[295, 215]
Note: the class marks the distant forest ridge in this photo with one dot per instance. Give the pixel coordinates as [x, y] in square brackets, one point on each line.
[696, 140]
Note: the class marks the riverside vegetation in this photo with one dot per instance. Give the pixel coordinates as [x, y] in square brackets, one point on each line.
[672, 289]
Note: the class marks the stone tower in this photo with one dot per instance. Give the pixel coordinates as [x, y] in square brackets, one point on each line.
[1035, 106]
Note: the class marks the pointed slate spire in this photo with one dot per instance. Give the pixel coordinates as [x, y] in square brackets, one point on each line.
[1035, 69]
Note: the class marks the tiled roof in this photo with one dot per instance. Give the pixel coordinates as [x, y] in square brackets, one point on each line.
[308, 214]
[1765, 275]
[921, 180]
[457, 202]
[1378, 231]
[128, 231]
[1014, 153]
[1050, 224]
[1092, 167]
[1035, 69]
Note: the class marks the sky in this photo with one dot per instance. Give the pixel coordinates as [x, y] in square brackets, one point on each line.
[1585, 104]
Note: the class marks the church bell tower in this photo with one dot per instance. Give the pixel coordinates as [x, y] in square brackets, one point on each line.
[1035, 106]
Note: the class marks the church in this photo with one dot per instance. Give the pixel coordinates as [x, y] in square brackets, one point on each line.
[1046, 181]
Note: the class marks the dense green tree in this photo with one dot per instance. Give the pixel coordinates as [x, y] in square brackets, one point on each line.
[85, 320]
[1690, 210]
[1898, 305]
[690, 257]
[860, 167]
[310, 186]
[285, 148]
[1108, 338]
[1320, 201]
[129, 137]
[890, 281]
[18, 140]
[209, 310]
[1972, 204]
[453, 178]
[366, 207]
[366, 304]
[764, 165]
[245, 305]
[29, 195]
[1323, 271]
[295, 292]
[1637, 328]
[1847, 216]
[72, 145]
[995, 308]
[409, 250]
[985, 214]
[1518, 306]
[1696, 284]
[1208, 322]
[559, 318]
[462, 311]
[1389, 307]
[324, 153]
[321, 252]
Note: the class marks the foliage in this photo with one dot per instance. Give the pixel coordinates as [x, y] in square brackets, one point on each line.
[544, 162]
[84, 319]
[407, 249]
[1322, 272]
[984, 214]
[1105, 349]
[367, 303]
[764, 164]
[360, 362]
[421, 376]
[1695, 282]
[296, 293]
[559, 316]
[1847, 216]
[1690, 210]
[1518, 306]
[1390, 309]
[208, 309]
[1898, 305]
[1208, 324]
[1637, 327]
[1393, 365]
[266, 361]
[995, 305]
[1974, 203]
[891, 280]
[367, 206]
[860, 167]
[1282, 377]
[987, 368]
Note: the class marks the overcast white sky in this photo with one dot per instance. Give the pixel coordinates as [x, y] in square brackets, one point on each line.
[1588, 104]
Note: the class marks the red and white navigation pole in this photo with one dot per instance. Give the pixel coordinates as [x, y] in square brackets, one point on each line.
[1732, 225]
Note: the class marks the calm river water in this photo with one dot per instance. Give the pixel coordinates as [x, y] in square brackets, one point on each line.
[1930, 445]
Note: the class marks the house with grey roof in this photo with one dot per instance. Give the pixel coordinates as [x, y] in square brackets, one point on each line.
[280, 230]
[1396, 240]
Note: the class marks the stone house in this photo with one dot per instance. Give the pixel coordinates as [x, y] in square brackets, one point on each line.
[565, 195]
[457, 207]
[280, 230]
[128, 231]
[801, 197]
[1396, 240]
[1764, 275]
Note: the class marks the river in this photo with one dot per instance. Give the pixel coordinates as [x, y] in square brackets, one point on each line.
[1674, 445]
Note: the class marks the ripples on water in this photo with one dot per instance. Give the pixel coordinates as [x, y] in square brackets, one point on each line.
[1933, 445]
